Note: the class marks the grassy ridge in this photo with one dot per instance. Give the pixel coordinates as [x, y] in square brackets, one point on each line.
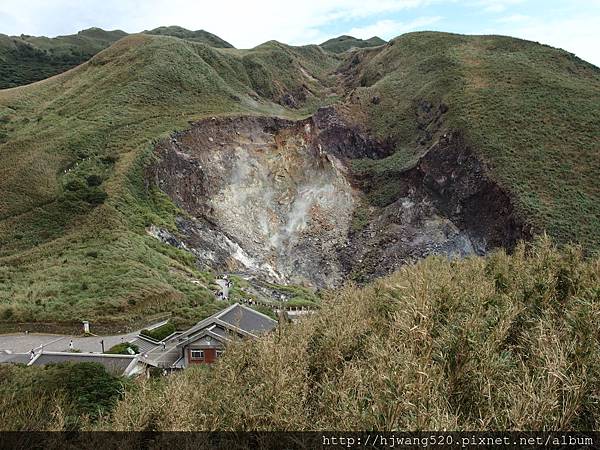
[343, 43]
[530, 110]
[66, 252]
[204, 37]
[25, 59]
[493, 343]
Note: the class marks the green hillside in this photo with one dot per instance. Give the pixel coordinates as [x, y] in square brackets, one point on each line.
[531, 111]
[26, 59]
[201, 36]
[74, 206]
[342, 43]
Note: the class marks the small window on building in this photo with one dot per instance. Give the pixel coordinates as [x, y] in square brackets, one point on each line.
[219, 353]
[197, 354]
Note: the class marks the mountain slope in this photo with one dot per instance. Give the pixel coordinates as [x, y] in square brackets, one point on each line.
[25, 59]
[343, 43]
[530, 111]
[74, 202]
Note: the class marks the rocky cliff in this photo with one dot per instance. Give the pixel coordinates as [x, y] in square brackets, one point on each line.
[277, 199]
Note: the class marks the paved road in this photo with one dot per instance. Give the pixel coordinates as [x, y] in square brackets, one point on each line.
[23, 343]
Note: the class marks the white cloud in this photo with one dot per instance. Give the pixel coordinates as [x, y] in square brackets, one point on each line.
[577, 35]
[244, 23]
[496, 6]
[514, 18]
[391, 28]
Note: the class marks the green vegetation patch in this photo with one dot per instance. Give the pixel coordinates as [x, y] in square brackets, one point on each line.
[65, 396]
[123, 349]
[75, 204]
[159, 333]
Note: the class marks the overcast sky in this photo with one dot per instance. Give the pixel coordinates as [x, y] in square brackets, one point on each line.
[569, 24]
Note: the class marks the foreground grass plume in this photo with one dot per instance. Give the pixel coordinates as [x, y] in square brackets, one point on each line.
[503, 342]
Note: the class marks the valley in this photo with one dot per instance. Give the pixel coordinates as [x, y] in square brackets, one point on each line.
[130, 182]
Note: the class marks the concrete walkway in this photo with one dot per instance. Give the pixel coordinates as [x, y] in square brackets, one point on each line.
[23, 343]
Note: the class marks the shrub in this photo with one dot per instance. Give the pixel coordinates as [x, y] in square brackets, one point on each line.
[7, 313]
[94, 180]
[298, 302]
[266, 311]
[57, 396]
[76, 190]
[158, 334]
[95, 196]
[122, 349]
[91, 388]
[75, 185]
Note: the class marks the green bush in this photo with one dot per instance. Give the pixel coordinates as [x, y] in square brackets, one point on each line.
[95, 196]
[158, 334]
[94, 180]
[77, 190]
[7, 313]
[121, 349]
[266, 311]
[75, 185]
[57, 396]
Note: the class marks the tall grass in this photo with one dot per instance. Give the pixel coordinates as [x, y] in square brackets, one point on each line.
[501, 342]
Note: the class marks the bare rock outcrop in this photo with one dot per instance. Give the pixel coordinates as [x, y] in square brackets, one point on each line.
[276, 199]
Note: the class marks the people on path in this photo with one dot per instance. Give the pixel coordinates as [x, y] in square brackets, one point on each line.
[31, 354]
[71, 346]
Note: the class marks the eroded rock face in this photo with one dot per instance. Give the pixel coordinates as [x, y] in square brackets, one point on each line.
[274, 199]
[266, 197]
[447, 205]
[460, 186]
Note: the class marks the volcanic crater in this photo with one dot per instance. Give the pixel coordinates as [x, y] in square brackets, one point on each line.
[278, 200]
